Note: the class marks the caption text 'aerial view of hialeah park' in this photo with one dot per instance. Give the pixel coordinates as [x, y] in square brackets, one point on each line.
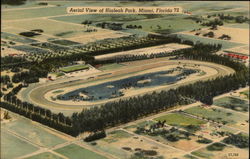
[124, 86]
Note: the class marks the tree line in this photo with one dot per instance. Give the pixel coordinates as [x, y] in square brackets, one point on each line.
[110, 114]
[36, 113]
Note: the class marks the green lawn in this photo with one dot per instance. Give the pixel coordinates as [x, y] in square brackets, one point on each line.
[116, 135]
[74, 151]
[45, 155]
[74, 68]
[233, 103]
[110, 66]
[179, 120]
[13, 147]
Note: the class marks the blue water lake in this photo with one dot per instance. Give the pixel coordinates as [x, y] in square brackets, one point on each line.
[113, 89]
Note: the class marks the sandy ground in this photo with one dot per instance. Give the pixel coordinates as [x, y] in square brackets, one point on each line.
[238, 35]
[100, 35]
[148, 51]
[226, 152]
[2, 111]
[186, 145]
[241, 50]
[143, 143]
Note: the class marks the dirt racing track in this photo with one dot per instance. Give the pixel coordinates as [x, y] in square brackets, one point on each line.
[40, 94]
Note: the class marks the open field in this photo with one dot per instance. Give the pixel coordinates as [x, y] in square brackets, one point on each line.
[124, 145]
[16, 38]
[244, 50]
[223, 116]
[237, 35]
[173, 136]
[34, 141]
[31, 132]
[45, 155]
[225, 153]
[110, 66]
[195, 39]
[36, 38]
[166, 48]
[78, 33]
[100, 35]
[31, 13]
[242, 26]
[170, 24]
[10, 142]
[64, 30]
[233, 103]
[75, 152]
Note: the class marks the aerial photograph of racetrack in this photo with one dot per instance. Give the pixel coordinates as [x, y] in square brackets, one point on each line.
[131, 82]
